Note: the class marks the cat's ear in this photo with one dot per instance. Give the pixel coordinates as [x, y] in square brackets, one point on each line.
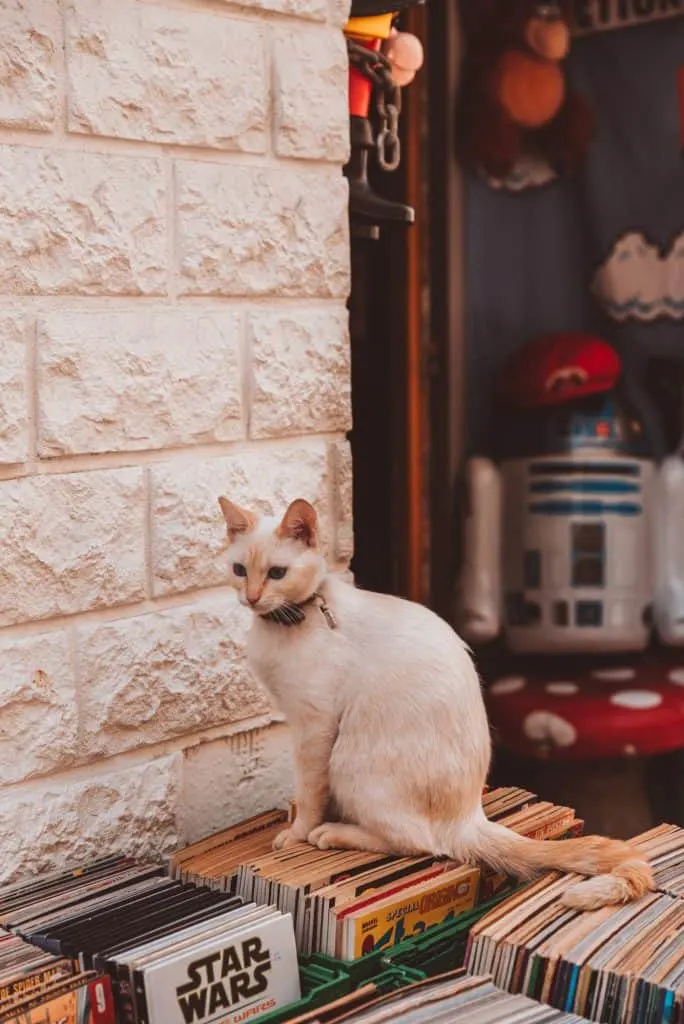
[300, 522]
[238, 520]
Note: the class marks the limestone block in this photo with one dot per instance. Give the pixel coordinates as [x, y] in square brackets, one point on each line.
[155, 676]
[339, 12]
[38, 717]
[301, 370]
[343, 507]
[66, 822]
[228, 780]
[138, 71]
[314, 9]
[70, 542]
[262, 230]
[29, 63]
[137, 380]
[311, 108]
[81, 223]
[14, 424]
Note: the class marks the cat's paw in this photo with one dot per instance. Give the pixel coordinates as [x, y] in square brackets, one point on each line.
[324, 837]
[287, 838]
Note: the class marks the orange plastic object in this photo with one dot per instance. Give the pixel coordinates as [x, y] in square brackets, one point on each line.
[360, 87]
[375, 26]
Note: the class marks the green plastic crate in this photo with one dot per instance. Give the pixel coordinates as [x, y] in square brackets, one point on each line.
[437, 950]
[318, 990]
[320, 984]
[397, 976]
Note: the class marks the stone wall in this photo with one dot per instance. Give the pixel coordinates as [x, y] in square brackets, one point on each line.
[173, 276]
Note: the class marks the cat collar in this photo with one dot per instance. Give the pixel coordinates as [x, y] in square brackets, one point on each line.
[294, 614]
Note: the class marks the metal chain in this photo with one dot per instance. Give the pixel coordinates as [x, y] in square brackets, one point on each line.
[370, 63]
[388, 107]
[376, 67]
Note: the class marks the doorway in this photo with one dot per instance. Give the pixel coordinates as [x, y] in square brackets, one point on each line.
[408, 326]
[406, 320]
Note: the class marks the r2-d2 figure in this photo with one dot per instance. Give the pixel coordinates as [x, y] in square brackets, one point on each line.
[560, 531]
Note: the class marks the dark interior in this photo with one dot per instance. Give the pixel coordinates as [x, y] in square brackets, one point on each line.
[469, 321]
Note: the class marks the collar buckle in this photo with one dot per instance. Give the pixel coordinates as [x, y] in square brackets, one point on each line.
[326, 611]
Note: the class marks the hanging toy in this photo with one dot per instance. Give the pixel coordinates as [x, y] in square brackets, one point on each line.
[381, 61]
[515, 104]
[404, 51]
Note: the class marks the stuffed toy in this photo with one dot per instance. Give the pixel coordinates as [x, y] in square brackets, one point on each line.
[560, 367]
[514, 100]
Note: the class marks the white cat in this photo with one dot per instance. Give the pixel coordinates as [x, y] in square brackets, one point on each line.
[391, 739]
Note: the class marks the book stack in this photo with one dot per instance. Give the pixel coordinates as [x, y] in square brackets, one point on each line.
[349, 904]
[664, 848]
[168, 952]
[621, 964]
[452, 998]
[31, 979]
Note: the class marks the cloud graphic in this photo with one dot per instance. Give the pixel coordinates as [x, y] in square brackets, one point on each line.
[529, 172]
[638, 282]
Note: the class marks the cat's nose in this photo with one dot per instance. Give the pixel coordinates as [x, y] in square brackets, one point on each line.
[253, 599]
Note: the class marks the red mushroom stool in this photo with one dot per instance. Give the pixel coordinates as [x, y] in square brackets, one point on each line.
[596, 717]
[604, 712]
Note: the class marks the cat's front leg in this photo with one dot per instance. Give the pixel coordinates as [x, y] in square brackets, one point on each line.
[313, 743]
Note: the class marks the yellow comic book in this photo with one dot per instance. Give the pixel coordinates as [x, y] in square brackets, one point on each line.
[409, 912]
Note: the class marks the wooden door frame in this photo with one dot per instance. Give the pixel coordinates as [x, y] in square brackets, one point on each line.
[416, 381]
[436, 335]
[406, 323]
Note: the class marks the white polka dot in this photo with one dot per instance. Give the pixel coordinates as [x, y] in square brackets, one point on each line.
[629, 749]
[676, 676]
[511, 684]
[561, 689]
[544, 725]
[637, 699]
[616, 675]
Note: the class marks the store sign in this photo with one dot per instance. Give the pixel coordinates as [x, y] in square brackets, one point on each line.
[589, 16]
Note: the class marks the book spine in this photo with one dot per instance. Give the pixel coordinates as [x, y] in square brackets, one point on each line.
[125, 1004]
[43, 1000]
[553, 830]
[23, 987]
[140, 998]
[102, 1001]
[47, 944]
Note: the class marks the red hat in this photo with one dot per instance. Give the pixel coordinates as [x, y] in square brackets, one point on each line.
[558, 368]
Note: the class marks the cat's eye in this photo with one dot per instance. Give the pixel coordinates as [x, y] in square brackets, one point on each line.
[239, 569]
[276, 572]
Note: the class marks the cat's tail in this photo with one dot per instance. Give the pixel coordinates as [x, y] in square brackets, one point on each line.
[621, 873]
